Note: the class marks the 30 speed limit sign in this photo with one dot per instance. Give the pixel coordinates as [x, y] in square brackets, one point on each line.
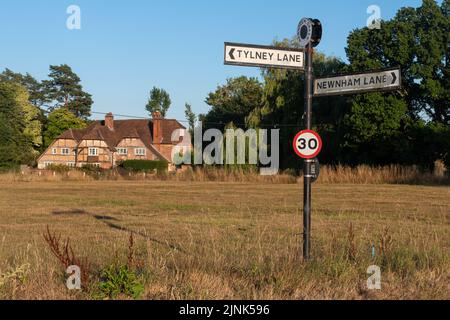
[307, 144]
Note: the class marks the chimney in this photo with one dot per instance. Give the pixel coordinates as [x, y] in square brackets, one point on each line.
[109, 121]
[157, 127]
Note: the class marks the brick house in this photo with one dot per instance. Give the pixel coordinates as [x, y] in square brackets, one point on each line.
[106, 143]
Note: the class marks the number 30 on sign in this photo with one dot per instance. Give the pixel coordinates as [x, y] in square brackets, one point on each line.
[307, 144]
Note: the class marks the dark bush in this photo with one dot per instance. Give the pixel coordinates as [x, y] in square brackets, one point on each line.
[145, 165]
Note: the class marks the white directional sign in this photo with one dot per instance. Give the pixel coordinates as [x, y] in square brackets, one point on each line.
[264, 56]
[389, 79]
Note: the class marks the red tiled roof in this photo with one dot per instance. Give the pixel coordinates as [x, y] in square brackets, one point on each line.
[76, 134]
[142, 129]
[168, 127]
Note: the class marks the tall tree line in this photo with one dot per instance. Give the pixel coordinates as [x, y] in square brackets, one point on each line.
[411, 126]
[33, 113]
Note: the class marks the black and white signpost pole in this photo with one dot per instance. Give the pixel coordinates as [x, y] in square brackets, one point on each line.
[307, 165]
[309, 34]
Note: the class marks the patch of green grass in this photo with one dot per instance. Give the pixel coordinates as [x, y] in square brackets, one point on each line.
[118, 280]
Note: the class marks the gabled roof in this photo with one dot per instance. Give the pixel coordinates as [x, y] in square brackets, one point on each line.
[168, 127]
[75, 134]
[142, 129]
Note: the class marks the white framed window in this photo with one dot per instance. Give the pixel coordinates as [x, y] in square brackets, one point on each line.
[96, 165]
[139, 151]
[122, 151]
[54, 151]
[47, 164]
[71, 164]
[93, 152]
[65, 151]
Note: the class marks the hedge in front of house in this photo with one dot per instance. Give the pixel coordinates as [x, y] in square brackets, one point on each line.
[145, 165]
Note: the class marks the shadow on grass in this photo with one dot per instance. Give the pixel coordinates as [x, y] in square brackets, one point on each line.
[74, 212]
[107, 220]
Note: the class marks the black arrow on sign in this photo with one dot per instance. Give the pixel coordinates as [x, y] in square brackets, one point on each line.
[394, 77]
[231, 54]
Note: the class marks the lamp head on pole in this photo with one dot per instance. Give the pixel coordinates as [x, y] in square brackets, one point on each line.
[309, 32]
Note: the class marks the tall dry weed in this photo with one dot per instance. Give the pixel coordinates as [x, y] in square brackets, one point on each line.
[63, 251]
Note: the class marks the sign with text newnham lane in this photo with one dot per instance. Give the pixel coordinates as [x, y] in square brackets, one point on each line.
[264, 56]
[385, 80]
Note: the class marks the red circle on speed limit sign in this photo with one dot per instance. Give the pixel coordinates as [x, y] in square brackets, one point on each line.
[307, 144]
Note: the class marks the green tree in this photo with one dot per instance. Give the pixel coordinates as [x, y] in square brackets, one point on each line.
[30, 97]
[417, 40]
[386, 128]
[36, 90]
[32, 120]
[233, 102]
[159, 101]
[15, 145]
[423, 143]
[65, 91]
[373, 125]
[191, 118]
[59, 121]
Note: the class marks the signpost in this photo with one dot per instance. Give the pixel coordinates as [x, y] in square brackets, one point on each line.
[309, 33]
[383, 80]
[263, 56]
[308, 144]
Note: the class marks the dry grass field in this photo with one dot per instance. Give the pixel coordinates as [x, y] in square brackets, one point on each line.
[228, 240]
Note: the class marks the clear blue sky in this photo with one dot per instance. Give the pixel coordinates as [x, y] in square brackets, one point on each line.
[126, 47]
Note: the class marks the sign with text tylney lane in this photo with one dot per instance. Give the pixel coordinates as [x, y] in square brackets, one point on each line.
[264, 56]
[388, 79]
